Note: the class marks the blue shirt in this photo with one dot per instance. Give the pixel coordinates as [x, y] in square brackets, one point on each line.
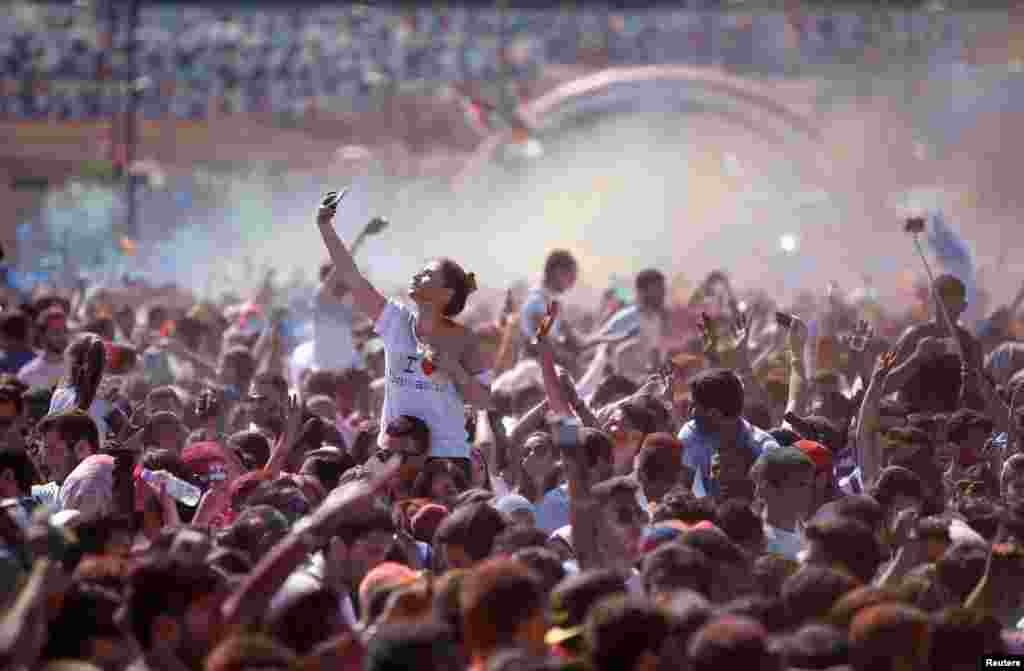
[699, 450]
[553, 509]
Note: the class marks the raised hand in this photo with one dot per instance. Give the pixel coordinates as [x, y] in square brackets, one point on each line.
[883, 366]
[708, 334]
[857, 340]
[548, 322]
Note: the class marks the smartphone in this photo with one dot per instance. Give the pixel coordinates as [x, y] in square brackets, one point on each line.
[783, 320]
[567, 433]
[332, 199]
[914, 225]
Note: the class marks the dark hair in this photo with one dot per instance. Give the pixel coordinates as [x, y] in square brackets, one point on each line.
[327, 469]
[648, 277]
[960, 637]
[559, 259]
[897, 481]
[596, 445]
[544, 563]
[473, 527]
[680, 504]
[14, 325]
[378, 520]
[18, 460]
[459, 281]
[739, 522]
[769, 611]
[771, 572]
[619, 630]
[148, 595]
[87, 358]
[810, 593]
[275, 380]
[252, 447]
[718, 389]
[425, 646]
[497, 597]
[611, 389]
[847, 542]
[660, 457]
[731, 642]
[320, 383]
[413, 427]
[960, 568]
[91, 612]
[672, 567]
[433, 469]
[862, 508]
[815, 646]
[301, 624]
[785, 437]
[163, 392]
[716, 546]
[72, 427]
[758, 414]
[519, 537]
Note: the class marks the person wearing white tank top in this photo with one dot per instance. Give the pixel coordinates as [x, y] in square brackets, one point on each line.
[433, 365]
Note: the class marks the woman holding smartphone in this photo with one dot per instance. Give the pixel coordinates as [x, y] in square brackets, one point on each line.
[433, 365]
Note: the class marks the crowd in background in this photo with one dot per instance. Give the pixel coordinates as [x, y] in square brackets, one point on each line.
[68, 60]
[697, 482]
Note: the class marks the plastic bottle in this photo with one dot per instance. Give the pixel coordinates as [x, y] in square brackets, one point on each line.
[177, 489]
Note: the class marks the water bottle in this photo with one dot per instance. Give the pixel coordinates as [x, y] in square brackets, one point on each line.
[177, 489]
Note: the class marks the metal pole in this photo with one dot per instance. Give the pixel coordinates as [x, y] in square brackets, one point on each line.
[130, 122]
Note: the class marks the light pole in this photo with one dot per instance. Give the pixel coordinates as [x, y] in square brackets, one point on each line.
[133, 92]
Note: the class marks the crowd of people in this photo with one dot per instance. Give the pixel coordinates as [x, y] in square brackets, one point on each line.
[66, 60]
[722, 482]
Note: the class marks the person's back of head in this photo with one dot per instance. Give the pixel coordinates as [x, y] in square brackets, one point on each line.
[960, 637]
[659, 464]
[889, 637]
[545, 564]
[249, 651]
[960, 568]
[844, 542]
[810, 593]
[14, 328]
[771, 571]
[625, 634]
[731, 642]
[150, 595]
[742, 525]
[815, 646]
[674, 566]
[612, 389]
[502, 605]
[17, 472]
[519, 537]
[680, 504]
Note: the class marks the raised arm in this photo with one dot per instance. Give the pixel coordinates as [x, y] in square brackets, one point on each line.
[367, 299]
[869, 455]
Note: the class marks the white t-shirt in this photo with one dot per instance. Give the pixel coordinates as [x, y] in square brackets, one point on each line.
[409, 390]
[782, 542]
[40, 373]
